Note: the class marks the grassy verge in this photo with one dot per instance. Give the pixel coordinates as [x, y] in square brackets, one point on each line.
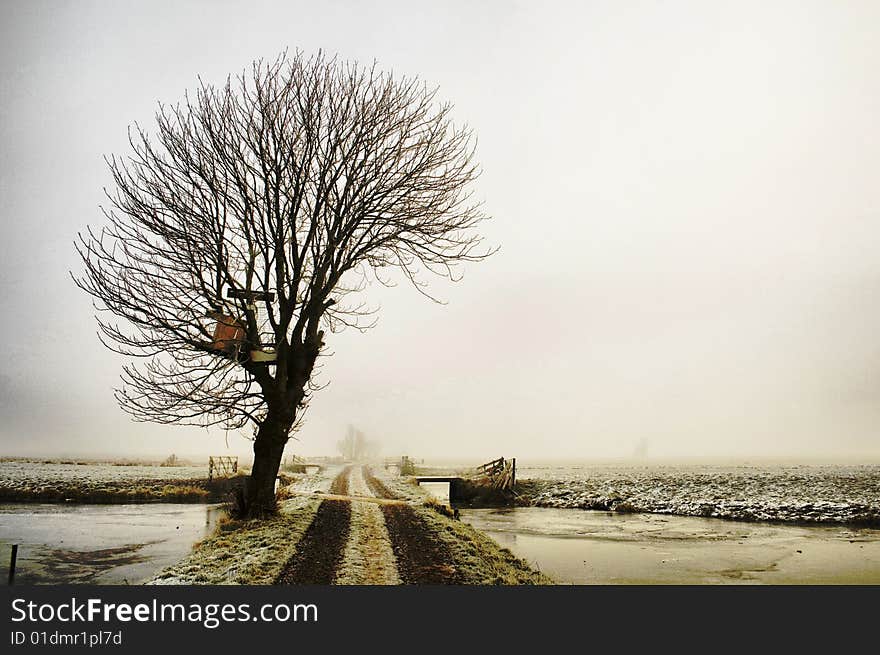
[143, 491]
[477, 557]
[245, 552]
[480, 559]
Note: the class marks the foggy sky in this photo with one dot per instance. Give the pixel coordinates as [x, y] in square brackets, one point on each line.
[686, 196]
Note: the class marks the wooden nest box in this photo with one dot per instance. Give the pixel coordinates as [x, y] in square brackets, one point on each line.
[229, 333]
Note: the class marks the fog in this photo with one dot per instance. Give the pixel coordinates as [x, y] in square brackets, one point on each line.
[685, 196]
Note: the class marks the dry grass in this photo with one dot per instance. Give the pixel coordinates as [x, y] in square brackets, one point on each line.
[167, 493]
[283, 493]
[97, 492]
[439, 507]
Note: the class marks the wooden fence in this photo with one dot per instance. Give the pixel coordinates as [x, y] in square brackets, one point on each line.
[222, 466]
[499, 473]
[404, 465]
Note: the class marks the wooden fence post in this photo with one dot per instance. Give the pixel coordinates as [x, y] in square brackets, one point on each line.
[12, 560]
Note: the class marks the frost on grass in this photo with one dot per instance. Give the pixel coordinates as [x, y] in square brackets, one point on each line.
[251, 552]
[368, 557]
[244, 552]
[405, 487]
[477, 557]
[317, 482]
[796, 493]
[51, 482]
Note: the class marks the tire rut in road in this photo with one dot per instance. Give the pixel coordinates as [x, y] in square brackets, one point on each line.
[421, 557]
[320, 551]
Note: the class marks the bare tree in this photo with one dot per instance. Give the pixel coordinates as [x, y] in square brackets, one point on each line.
[355, 446]
[245, 226]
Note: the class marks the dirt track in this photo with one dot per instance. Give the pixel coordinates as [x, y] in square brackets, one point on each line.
[320, 550]
[421, 557]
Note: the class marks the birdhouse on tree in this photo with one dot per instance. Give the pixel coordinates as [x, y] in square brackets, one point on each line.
[229, 333]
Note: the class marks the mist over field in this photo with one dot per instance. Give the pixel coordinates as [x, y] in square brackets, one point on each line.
[685, 197]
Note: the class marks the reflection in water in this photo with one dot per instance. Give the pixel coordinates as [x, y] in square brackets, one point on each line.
[100, 544]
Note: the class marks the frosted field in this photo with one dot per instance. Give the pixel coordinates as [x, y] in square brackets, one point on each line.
[820, 494]
[22, 475]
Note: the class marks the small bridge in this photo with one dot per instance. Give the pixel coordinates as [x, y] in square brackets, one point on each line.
[499, 475]
[438, 478]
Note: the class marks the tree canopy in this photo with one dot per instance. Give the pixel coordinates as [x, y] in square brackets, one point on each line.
[300, 179]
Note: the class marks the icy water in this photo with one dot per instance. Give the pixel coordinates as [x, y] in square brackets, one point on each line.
[798, 494]
[99, 544]
[593, 547]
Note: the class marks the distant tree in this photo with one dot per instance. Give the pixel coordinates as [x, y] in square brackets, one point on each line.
[355, 446]
[245, 225]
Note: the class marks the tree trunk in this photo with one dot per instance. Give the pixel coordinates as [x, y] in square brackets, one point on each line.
[259, 497]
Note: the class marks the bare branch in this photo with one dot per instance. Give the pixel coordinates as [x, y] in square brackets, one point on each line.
[263, 204]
